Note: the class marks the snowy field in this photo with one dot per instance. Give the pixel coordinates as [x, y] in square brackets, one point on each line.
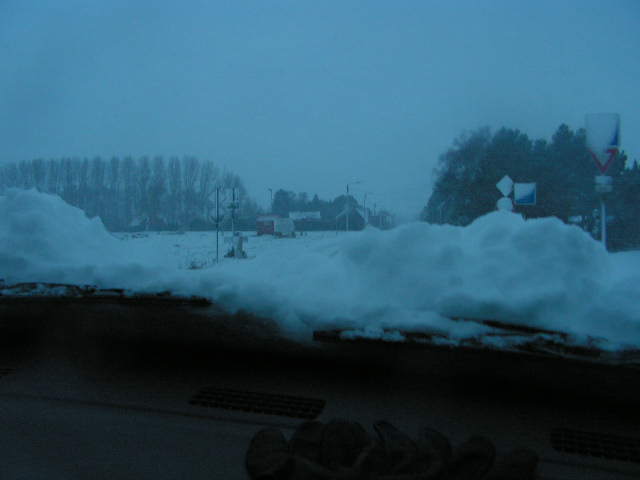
[197, 250]
[416, 277]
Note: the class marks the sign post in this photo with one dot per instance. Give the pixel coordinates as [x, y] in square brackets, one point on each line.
[603, 141]
[217, 224]
[216, 220]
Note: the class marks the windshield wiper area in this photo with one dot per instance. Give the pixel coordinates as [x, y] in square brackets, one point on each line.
[62, 292]
[502, 337]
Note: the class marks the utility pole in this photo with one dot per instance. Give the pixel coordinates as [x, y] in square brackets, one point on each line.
[347, 209]
[233, 211]
[217, 224]
[364, 209]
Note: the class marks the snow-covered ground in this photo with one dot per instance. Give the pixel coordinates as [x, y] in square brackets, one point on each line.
[416, 277]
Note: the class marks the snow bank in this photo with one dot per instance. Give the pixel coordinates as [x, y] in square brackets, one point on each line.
[536, 272]
[42, 238]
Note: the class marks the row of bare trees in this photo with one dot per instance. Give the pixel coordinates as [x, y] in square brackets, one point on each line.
[135, 194]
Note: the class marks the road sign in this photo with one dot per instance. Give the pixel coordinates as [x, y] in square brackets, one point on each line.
[603, 138]
[505, 204]
[524, 193]
[604, 184]
[505, 185]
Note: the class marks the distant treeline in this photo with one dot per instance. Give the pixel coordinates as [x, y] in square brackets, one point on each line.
[563, 169]
[137, 194]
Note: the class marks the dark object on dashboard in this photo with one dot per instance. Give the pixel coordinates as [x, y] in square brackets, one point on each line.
[306, 442]
[268, 456]
[435, 450]
[472, 460]
[401, 451]
[342, 443]
[516, 465]
[343, 450]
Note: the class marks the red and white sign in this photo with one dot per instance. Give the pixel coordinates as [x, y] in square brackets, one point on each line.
[603, 138]
[603, 167]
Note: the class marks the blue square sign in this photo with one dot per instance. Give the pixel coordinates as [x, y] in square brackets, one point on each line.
[524, 193]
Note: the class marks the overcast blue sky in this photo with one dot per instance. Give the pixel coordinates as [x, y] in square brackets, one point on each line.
[308, 95]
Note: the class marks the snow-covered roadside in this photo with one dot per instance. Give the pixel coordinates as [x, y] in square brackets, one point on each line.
[537, 272]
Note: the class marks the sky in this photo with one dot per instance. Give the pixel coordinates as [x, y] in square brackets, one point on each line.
[309, 95]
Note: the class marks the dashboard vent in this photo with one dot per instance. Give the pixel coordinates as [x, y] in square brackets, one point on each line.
[593, 444]
[258, 402]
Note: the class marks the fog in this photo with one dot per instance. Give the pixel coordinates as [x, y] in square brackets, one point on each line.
[308, 96]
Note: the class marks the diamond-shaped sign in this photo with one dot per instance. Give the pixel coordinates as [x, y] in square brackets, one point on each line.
[505, 185]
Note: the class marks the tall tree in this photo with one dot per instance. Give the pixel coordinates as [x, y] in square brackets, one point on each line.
[283, 202]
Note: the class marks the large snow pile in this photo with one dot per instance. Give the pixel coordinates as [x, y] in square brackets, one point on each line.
[42, 238]
[536, 272]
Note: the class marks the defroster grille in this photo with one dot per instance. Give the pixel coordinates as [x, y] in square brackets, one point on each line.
[593, 444]
[258, 402]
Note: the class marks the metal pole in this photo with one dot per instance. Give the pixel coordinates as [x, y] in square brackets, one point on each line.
[271, 204]
[347, 211]
[364, 208]
[233, 211]
[603, 222]
[217, 224]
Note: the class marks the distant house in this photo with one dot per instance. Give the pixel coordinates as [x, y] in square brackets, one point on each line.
[382, 220]
[304, 216]
[355, 219]
[305, 221]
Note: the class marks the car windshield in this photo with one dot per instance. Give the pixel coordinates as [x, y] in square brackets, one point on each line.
[453, 173]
